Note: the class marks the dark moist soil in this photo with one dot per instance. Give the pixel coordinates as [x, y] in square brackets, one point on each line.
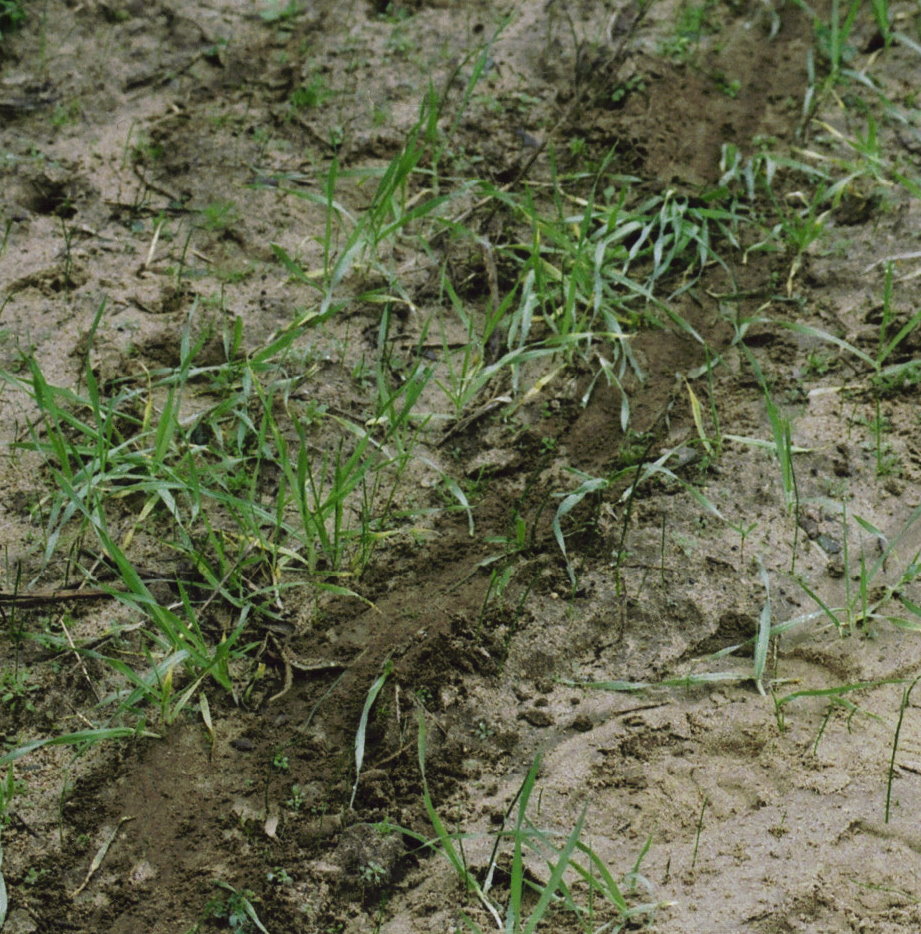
[118, 117]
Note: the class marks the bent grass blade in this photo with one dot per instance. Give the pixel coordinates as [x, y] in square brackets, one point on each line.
[360, 733]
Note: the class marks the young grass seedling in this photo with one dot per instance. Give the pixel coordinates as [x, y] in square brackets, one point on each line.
[871, 599]
[763, 639]
[373, 691]
[563, 860]
[906, 700]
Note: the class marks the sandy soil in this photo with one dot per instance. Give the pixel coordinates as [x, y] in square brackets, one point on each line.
[156, 156]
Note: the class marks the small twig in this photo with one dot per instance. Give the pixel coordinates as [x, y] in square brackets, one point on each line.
[464, 423]
[290, 663]
[395, 755]
[80, 661]
[100, 856]
[153, 245]
[896, 257]
[38, 597]
[153, 186]
[289, 674]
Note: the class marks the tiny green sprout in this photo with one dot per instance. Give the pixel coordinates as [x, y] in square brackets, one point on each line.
[145, 150]
[34, 875]
[400, 41]
[729, 86]
[296, 799]
[372, 873]
[236, 908]
[483, 730]
[394, 13]
[743, 531]
[219, 215]
[313, 94]
[15, 689]
[10, 787]
[280, 762]
[622, 91]
[279, 876]
[65, 114]
[819, 363]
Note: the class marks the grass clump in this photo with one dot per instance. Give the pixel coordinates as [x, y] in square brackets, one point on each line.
[255, 492]
[572, 880]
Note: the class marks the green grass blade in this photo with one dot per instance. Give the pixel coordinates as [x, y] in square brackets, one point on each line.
[373, 691]
[556, 877]
[81, 737]
[4, 898]
[809, 331]
[516, 885]
[451, 852]
[764, 631]
[835, 691]
[588, 486]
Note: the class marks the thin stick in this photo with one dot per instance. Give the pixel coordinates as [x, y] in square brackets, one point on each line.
[100, 856]
[80, 661]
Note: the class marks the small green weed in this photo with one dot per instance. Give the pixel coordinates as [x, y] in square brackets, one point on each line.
[10, 788]
[308, 96]
[280, 762]
[833, 35]
[296, 798]
[66, 114]
[693, 22]
[16, 689]
[219, 215]
[372, 874]
[12, 16]
[279, 876]
[144, 150]
[235, 908]
[883, 376]
[34, 875]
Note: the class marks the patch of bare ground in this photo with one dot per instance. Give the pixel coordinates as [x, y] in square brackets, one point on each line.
[192, 170]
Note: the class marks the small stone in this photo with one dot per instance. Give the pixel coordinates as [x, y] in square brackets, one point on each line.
[828, 544]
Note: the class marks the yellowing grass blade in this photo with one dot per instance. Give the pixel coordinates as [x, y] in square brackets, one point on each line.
[698, 414]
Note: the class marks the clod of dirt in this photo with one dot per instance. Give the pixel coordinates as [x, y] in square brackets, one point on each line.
[19, 922]
[537, 717]
[368, 855]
